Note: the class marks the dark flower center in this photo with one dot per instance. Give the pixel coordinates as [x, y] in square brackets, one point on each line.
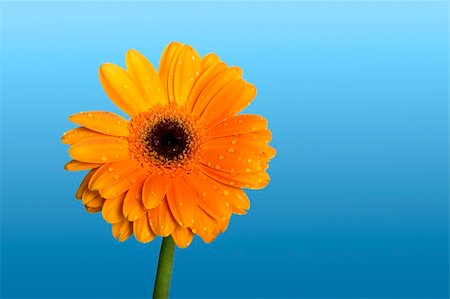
[169, 140]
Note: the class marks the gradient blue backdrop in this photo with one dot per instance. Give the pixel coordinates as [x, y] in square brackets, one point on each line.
[356, 95]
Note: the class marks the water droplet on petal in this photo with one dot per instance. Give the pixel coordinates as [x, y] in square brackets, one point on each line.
[103, 158]
[221, 157]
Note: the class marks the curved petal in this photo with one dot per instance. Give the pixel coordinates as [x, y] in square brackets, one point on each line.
[253, 143]
[167, 68]
[218, 107]
[108, 173]
[186, 72]
[204, 78]
[103, 122]
[112, 209]
[84, 184]
[238, 125]
[75, 165]
[142, 231]
[132, 204]
[79, 134]
[146, 77]
[212, 87]
[182, 200]
[122, 90]
[205, 226]
[122, 230]
[94, 206]
[182, 236]
[229, 105]
[209, 60]
[256, 180]
[161, 219]
[100, 150]
[210, 196]
[155, 188]
[123, 184]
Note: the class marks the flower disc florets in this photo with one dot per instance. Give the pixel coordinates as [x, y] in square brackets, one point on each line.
[165, 140]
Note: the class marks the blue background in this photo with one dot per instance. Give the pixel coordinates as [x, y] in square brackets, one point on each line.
[356, 95]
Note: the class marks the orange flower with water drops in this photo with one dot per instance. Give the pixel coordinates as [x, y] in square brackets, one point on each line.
[178, 164]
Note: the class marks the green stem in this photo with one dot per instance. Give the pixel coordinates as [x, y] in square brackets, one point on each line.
[164, 272]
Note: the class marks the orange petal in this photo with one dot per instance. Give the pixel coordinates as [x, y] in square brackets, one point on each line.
[182, 200]
[182, 236]
[88, 196]
[133, 208]
[229, 106]
[122, 90]
[205, 77]
[209, 60]
[103, 122]
[142, 231]
[205, 226]
[79, 134]
[100, 150]
[253, 143]
[122, 230]
[84, 184]
[111, 172]
[238, 125]
[95, 206]
[222, 224]
[167, 68]
[123, 184]
[75, 165]
[219, 105]
[210, 196]
[187, 70]
[256, 180]
[212, 87]
[146, 77]
[161, 219]
[238, 200]
[155, 188]
[112, 209]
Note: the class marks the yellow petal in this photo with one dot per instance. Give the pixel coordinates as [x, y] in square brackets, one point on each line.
[100, 121]
[112, 209]
[75, 165]
[100, 150]
[237, 125]
[161, 219]
[142, 231]
[79, 134]
[122, 230]
[133, 208]
[182, 236]
[154, 190]
[187, 70]
[122, 90]
[167, 68]
[146, 77]
[108, 173]
[182, 200]
[123, 184]
[84, 184]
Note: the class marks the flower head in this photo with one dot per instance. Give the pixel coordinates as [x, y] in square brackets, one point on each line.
[179, 164]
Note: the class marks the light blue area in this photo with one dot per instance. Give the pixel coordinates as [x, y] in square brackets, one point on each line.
[356, 96]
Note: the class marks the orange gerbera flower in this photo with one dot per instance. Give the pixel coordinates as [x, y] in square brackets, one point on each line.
[178, 165]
